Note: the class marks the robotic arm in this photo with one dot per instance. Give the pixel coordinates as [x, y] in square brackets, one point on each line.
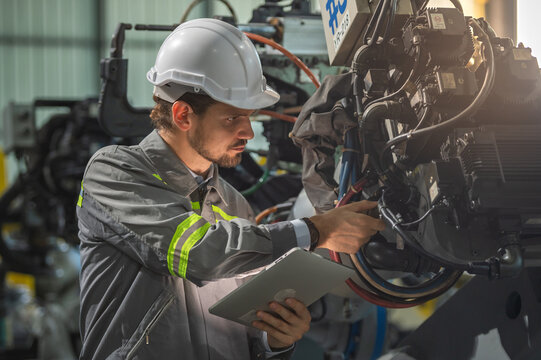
[442, 130]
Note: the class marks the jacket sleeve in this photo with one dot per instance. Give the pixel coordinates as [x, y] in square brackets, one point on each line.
[132, 210]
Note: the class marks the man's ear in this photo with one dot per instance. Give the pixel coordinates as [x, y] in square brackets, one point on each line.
[182, 115]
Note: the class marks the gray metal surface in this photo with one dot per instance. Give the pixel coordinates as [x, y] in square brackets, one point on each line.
[495, 320]
[304, 36]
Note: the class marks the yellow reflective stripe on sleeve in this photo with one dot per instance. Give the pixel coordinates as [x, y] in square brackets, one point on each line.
[222, 213]
[159, 178]
[80, 201]
[185, 225]
[190, 242]
[196, 205]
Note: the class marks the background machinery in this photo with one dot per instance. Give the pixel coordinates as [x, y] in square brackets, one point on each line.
[426, 111]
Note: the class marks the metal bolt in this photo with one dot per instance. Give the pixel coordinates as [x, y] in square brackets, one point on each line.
[506, 255]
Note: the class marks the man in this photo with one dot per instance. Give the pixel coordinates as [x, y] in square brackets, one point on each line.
[163, 237]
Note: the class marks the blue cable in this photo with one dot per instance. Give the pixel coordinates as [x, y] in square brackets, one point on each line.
[380, 333]
[355, 158]
[354, 331]
[344, 183]
[348, 163]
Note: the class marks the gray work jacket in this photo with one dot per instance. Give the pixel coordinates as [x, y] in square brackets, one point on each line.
[157, 250]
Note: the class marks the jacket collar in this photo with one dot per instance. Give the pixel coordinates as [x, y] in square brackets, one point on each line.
[172, 170]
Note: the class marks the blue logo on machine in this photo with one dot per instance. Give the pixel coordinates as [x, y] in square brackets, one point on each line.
[333, 9]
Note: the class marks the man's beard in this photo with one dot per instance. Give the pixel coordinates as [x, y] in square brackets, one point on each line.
[226, 161]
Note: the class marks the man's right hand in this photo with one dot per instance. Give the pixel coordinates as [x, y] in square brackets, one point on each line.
[347, 228]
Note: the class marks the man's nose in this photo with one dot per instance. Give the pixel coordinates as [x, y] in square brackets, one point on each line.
[245, 130]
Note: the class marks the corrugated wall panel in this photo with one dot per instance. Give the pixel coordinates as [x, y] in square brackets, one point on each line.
[46, 51]
[45, 47]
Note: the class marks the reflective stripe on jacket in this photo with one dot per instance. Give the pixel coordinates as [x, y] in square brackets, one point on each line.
[157, 250]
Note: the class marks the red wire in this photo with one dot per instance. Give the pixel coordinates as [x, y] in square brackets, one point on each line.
[292, 57]
[355, 188]
[365, 294]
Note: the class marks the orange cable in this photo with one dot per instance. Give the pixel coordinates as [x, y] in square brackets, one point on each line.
[265, 213]
[292, 57]
[278, 115]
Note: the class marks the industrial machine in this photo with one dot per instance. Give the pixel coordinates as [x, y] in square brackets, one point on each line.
[439, 119]
[39, 268]
[425, 112]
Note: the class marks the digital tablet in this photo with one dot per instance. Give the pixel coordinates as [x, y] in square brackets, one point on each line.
[299, 274]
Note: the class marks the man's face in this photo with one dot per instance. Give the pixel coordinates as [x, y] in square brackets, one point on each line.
[221, 133]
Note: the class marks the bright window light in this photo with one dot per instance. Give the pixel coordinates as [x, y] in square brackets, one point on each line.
[528, 28]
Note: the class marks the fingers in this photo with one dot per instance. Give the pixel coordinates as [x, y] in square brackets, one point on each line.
[291, 324]
[283, 339]
[347, 228]
[364, 205]
[360, 206]
[373, 223]
[298, 318]
[300, 309]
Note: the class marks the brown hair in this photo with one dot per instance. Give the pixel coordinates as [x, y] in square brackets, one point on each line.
[161, 113]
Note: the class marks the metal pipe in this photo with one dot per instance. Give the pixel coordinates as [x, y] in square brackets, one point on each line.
[502, 16]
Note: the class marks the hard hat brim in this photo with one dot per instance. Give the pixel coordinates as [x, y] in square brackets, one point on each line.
[267, 98]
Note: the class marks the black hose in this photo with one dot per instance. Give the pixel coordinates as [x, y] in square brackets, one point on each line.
[403, 86]
[381, 110]
[356, 67]
[389, 217]
[390, 22]
[413, 300]
[386, 149]
[469, 111]
[491, 267]
[377, 30]
[442, 280]
[381, 254]
[458, 5]
[375, 17]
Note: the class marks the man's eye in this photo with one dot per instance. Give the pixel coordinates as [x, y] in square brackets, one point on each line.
[231, 118]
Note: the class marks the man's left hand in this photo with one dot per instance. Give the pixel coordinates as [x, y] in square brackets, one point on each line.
[287, 328]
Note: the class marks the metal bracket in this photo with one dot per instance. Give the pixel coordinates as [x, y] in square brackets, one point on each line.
[115, 114]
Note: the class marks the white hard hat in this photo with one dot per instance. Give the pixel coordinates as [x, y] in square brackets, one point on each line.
[213, 57]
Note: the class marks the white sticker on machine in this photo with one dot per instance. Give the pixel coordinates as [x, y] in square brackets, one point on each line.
[438, 21]
[433, 191]
[448, 80]
[341, 30]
